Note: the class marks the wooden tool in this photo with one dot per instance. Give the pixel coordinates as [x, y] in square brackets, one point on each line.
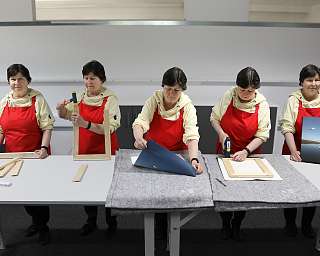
[81, 171]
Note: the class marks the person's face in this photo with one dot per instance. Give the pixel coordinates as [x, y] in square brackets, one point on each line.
[92, 83]
[19, 85]
[246, 94]
[310, 87]
[171, 94]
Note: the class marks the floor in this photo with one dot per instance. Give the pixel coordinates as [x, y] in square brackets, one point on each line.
[129, 240]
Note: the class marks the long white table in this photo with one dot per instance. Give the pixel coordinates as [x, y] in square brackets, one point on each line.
[49, 181]
[312, 173]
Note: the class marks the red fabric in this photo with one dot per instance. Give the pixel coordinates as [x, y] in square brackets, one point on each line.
[20, 128]
[302, 112]
[241, 127]
[167, 133]
[90, 142]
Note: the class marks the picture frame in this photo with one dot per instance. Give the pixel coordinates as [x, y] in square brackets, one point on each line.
[263, 172]
[106, 126]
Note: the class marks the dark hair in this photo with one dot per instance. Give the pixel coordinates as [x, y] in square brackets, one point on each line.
[14, 69]
[96, 68]
[248, 77]
[308, 71]
[175, 76]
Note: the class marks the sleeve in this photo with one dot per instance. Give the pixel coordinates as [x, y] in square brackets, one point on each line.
[145, 117]
[289, 116]
[114, 113]
[220, 108]
[191, 130]
[264, 123]
[44, 114]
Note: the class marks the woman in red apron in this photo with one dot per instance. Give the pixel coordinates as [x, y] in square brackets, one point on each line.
[304, 102]
[26, 123]
[243, 116]
[91, 133]
[169, 118]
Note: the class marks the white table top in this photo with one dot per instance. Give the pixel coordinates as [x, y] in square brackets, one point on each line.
[309, 170]
[49, 181]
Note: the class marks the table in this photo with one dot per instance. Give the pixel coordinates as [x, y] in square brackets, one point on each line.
[148, 191]
[49, 181]
[312, 173]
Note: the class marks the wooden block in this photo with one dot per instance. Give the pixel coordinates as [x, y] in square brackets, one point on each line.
[16, 168]
[6, 169]
[81, 171]
[9, 162]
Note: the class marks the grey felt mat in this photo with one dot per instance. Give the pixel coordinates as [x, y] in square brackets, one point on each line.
[294, 190]
[138, 188]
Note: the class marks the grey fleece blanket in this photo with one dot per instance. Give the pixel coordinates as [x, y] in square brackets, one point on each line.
[143, 189]
[293, 191]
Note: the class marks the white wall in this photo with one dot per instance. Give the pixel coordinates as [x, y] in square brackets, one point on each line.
[143, 53]
[135, 58]
[16, 10]
[216, 10]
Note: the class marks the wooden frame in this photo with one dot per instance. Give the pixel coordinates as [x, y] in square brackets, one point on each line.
[107, 146]
[266, 172]
[25, 155]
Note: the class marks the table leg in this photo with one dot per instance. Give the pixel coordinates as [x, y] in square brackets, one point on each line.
[174, 234]
[2, 245]
[149, 234]
[318, 240]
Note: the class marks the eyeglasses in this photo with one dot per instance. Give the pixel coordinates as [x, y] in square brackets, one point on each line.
[172, 89]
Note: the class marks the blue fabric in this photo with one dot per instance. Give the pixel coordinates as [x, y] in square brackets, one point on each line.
[159, 158]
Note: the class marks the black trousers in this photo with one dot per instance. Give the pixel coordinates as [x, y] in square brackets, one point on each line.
[161, 226]
[40, 214]
[92, 213]
[290, 215]
[234, 218]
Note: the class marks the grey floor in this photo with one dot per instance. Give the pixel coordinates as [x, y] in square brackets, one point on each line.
[201, 236]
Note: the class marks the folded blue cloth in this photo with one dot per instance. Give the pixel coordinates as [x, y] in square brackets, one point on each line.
[159, 158]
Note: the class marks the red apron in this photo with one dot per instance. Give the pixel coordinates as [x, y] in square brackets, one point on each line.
[241, 127]
[20, 128]
[90, 142]
[302, 112]
[167, 133]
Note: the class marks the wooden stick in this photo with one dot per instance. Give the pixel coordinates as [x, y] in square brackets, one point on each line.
[75, 130]
[18, 154]
[6, 169]
[81, 171]
[9, 162]
[17, 167]
[107, 141]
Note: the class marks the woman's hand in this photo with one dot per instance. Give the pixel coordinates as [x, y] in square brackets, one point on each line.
[240, 155]
[295, 156]
[140, 143]
[41, 153]
[197, 166]
[78, 120]
[61, 107]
